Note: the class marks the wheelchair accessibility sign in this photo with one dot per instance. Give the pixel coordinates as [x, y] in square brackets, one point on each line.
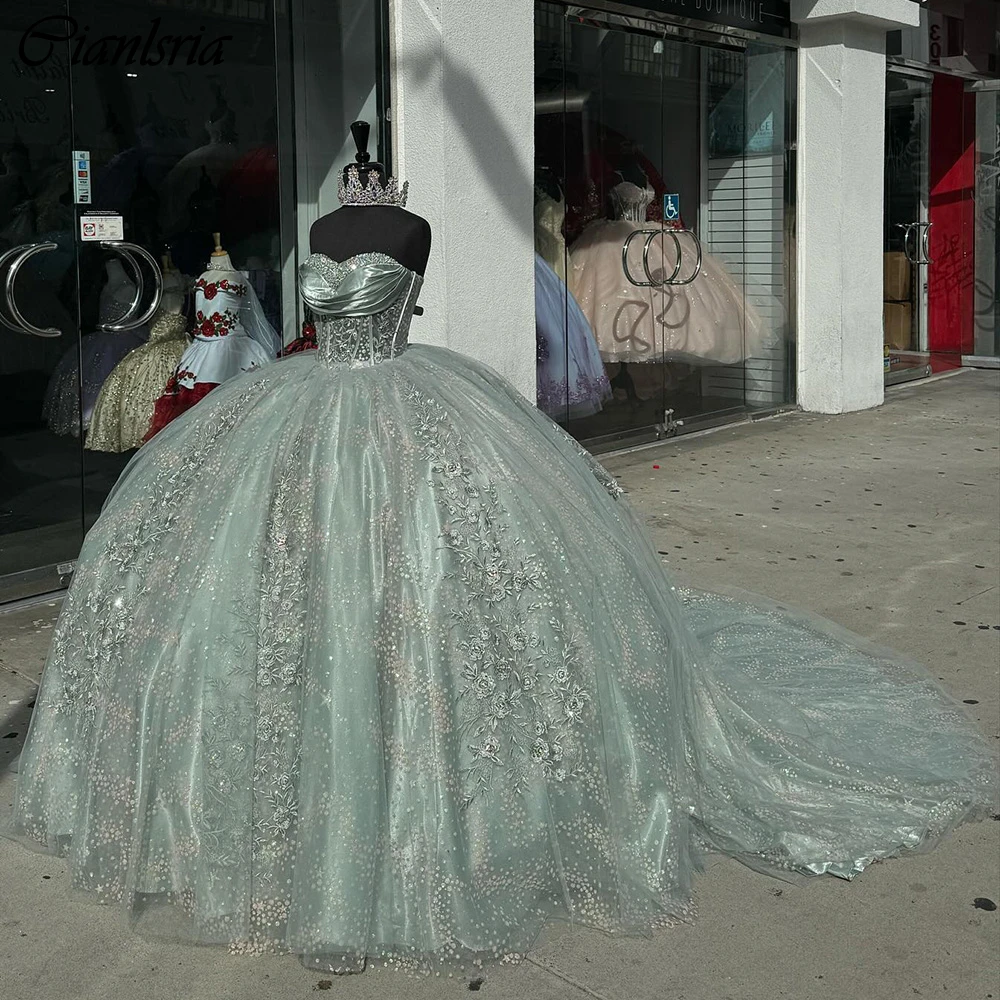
[671, 208]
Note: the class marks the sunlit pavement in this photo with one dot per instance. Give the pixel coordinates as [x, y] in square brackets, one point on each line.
[884, 521]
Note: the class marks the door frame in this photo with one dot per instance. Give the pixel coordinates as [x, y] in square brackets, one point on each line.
[923, 76]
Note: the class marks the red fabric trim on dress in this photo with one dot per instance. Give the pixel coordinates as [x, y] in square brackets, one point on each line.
[175, 401]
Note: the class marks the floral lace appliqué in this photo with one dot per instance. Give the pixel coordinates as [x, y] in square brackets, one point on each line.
[523, 697]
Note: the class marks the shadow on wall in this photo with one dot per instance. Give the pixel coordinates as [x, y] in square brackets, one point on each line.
[499, 159]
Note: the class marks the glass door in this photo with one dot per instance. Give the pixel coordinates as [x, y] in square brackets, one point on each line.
[661, 226]
[135, 130]
[907, 231]
[41, 472]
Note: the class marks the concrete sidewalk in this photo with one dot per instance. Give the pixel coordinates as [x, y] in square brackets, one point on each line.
[884, 521]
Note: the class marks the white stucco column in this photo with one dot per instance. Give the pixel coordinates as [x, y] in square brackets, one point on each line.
[841, 143]
[463, 117]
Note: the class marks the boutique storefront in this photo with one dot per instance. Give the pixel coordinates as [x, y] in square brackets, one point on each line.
[132, 132]
[942, 179]
[650, 218]
[664, 216]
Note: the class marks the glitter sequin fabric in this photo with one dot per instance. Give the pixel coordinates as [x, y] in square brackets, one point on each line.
[367, 660]
[571, 380]
[80, 375]
[125, 405]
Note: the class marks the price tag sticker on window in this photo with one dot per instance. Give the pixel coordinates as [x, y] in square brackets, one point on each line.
[97, 226]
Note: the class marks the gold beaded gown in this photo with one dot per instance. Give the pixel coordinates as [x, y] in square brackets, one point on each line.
[125, 405]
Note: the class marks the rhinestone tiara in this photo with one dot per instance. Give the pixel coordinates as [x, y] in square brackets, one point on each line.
[353, 192]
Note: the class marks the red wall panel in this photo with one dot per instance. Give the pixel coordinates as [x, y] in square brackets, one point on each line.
[952, 210]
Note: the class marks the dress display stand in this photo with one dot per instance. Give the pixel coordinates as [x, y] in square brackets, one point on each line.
[230, 335]
[368, 660]
[571, 380]
[703, 318]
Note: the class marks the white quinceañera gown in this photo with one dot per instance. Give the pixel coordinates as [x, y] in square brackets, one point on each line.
[231, 335]
[368, 660]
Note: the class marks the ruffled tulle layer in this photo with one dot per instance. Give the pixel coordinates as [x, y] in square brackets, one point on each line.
[176, 400]
[77, 379]
[205, 364]
[376, 665]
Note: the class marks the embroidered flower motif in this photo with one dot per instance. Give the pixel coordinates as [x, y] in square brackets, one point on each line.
[524, 691]
[484, 685]
[209, 289]
[218, 324]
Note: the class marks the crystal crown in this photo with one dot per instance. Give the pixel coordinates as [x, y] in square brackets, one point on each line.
[353, 192]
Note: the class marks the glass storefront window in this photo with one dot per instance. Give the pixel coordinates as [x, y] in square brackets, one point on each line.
[232, 118]
[906, 234]
[663, 227]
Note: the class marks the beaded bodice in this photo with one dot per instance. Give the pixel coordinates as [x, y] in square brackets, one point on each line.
[167, 326]
[363, 307]
[631, 202]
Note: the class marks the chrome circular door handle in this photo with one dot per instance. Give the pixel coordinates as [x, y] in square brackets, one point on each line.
[128, 252]
[650, 234]
[6, 256]
[23, 326]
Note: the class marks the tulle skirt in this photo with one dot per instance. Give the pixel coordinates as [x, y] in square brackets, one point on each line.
[128, 398]
[710, 320]
[78, 378]
[377, 665]
[572, 381]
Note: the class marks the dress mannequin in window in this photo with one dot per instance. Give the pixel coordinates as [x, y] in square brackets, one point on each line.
[571, 380]
[231, 335]
[128, 398]
[550, 215]
[367, 660]
[80, 377]
[707, 321]
[215, 159]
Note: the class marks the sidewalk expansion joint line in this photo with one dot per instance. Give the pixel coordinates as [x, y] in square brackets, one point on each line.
[553, 971]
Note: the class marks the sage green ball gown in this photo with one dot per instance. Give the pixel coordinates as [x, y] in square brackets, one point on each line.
[367, 660]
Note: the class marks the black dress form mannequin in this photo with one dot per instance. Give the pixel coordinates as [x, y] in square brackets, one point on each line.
[356, 229]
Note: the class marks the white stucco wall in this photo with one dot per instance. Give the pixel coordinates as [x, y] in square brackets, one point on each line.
[463, 117]
[463, 120]
[840, 199]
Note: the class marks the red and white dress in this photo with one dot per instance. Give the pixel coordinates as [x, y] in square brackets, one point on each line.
[231, 335]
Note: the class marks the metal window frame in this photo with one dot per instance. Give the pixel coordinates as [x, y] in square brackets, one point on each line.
[620, 17]
[383, 81]
[636, 18]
